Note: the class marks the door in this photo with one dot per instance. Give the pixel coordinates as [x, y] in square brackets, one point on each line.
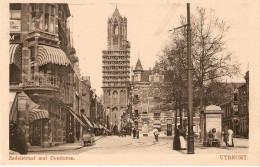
[36, 133]
[169, 129]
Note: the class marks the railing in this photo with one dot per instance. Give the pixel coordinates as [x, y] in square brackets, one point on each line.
[41, 80]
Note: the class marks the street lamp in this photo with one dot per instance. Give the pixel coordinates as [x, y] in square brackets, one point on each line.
[190, 149]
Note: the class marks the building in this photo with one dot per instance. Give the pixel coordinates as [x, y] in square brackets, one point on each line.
[230, 116]
[85, 101]
[116, 70]
[243, 107]
[44, 92]
[148, 108]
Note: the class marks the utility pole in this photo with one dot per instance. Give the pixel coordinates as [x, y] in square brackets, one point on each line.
[190, 149]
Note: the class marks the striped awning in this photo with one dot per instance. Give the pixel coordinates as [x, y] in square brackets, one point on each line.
[47, 54]
[95, 126]
[101, 127]
[77, 118]
[37, 113]
[86, 119]
[14, 48]
[12, 106]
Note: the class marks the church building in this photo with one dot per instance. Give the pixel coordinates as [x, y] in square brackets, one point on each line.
[116, 71]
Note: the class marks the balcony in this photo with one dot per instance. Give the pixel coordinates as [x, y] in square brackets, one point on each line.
[41, 85]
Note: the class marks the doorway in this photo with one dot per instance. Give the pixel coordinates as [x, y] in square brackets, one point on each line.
[36, 132]
[169, 129]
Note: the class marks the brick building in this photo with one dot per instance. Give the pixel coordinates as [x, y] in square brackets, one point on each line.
[44, 91]
[230, 116]
[243, 107]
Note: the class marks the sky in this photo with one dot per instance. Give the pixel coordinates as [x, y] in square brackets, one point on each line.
[148, 25]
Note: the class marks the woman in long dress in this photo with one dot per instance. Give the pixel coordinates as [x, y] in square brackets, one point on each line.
[230, 141]
[182, 140]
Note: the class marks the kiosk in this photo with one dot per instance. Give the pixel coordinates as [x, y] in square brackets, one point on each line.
[211, 122]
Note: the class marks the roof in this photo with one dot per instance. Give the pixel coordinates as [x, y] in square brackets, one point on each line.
[138, 66]
[116, 13]
[213, 107]
[145, 76]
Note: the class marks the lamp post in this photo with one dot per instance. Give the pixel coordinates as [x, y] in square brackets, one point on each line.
[190, 145]
[190, 149]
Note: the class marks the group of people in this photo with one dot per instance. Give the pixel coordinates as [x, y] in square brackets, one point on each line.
[212, 140]
[179, 142]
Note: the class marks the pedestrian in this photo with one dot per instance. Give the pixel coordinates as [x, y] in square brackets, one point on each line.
[137, 134]
[156, 134]
[210, 138]
[134, 133]
[226, 136]
[176, 140]
[230, 141]
[182, 140]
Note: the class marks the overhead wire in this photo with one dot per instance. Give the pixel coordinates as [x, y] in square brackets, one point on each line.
[166, 20]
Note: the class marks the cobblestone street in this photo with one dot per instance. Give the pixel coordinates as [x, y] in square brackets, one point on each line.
[128, 145]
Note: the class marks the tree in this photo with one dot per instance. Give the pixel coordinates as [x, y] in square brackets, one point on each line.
[210, 58]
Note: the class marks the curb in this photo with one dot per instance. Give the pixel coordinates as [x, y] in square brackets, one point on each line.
[76, 148]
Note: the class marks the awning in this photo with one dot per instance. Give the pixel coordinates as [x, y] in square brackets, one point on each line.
[12, 96]
[12, 50]
[36, 114]
[86, 119]
[12, 106]
[101, 127]
[77, 118]
[95, 126]
[47, 54]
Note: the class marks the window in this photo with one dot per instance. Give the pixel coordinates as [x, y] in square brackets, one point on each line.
[52, 24]
[15, 14]
[136, 113]
[156, 114]
[46, 25]
[43, 18]
[32, 52]
[235, 97]
[116, 30]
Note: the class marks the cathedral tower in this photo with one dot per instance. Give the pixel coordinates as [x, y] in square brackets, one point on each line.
[116, 70]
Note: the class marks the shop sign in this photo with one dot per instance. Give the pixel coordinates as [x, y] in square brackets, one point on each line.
[15, 25]
[14, 37]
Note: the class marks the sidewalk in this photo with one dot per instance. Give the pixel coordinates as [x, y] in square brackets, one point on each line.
[63, 147]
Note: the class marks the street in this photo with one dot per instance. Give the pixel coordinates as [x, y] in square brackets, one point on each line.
[144, 145]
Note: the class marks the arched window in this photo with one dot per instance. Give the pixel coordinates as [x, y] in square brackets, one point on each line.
[116, 29]
[122, 97]
[115, 97]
